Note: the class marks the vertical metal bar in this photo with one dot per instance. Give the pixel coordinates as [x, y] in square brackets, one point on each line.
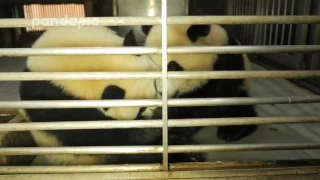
[284, 26]
[186, 6]
[256, 26]
[231, 12]
[315, 39]
[250, 4]
[252, 26]
[234, 13]
[277, 26]
[114, 7]
[236, 10]
[242, 25]
[290, 27]
[271, 26]
[245, 26]
[266, 25]
[229, 3]
[164, 84]
[239, 14]
[260, 28]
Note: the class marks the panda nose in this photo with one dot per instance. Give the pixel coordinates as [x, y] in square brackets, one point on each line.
[174, 66]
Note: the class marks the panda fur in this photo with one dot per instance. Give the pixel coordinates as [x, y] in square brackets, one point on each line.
[89, 90]
[200, 35]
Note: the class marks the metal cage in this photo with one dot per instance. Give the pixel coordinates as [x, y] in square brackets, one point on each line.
[262, 43]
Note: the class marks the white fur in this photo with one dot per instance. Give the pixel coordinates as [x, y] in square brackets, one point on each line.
[189, 62]
[93, 89]
[44, 139]
[89, 89]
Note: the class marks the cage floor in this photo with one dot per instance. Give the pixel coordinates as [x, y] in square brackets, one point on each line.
[292, 133]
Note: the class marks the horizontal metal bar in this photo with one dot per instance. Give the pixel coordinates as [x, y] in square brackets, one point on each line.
[155, 149]
[145, 103]
[242, 101]
[242, 74]
[294, 172]
[127, 21]
[242, 147]
[79, 104]
[149, 167]
[244, 49]
[66, 51]
[81, 150]
[39, 76]
[71, 125]
[89, 21]
[9, 111]
[80, 169]
[9, 52]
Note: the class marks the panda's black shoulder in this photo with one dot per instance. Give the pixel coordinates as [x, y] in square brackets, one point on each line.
[230, 62]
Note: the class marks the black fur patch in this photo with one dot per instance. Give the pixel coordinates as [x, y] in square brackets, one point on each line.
[112, 92]
[130, 39]
[146, 29]
[196, 31]
[174, 66]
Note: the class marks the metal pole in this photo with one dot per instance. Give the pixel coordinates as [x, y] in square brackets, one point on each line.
[164, 85]
[145, 50]
[129, 21]
[74, 125]
[290, 27]
[144, 103]
[155, 149]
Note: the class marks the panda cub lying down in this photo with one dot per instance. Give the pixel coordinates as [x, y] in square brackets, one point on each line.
[178, 35]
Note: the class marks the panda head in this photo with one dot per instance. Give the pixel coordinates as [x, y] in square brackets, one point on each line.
[185, 35]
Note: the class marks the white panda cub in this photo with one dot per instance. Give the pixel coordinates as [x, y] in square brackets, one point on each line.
[203, 35]
[88, 90]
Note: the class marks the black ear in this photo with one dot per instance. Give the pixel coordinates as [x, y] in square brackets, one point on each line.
[174, 66]
[146, 29]
[196, 31]
[130, 39]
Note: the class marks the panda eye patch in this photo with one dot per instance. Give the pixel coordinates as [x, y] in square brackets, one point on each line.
[174, 66]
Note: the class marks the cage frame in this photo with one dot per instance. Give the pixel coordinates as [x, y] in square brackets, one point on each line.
[233, 170]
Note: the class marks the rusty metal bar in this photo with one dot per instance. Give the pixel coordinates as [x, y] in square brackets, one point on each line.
[149, 167]
[275, 173]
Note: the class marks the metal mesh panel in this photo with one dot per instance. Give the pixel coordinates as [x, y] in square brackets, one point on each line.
[252, 19]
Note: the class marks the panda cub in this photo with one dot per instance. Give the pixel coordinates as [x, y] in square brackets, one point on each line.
[106, 89]
[203, 35]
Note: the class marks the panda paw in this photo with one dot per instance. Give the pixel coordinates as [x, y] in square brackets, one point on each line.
[235, 133]
[189, 157]
[148, 112]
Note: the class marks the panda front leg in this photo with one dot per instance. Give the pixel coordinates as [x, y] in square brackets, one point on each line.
[178, 139]
[235, 133]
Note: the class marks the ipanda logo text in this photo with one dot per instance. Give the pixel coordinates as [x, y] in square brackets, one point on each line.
[66, 21]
